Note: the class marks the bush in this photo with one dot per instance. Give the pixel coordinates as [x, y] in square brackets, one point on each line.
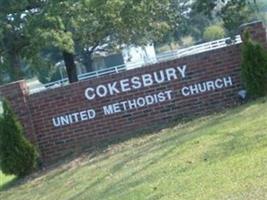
[17, 155]
[254, 67]
[213, 32]
[187, 41]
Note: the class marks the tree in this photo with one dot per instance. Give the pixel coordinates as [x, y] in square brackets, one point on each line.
[47, 66]
[27, 27]
[96, 25]
[193, 17]
[213, 32]
[17, 155]
[232, 12]
[235, 13]
[254, 67]
[197, 24]
[205, 7]
[13, 41]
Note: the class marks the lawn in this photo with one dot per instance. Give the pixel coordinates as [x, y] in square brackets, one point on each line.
[220, 157]
[4, 179]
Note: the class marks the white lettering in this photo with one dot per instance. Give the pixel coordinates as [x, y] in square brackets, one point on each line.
[169, 94]
[101, 91]
[147, 80]
[64, 120]
[228, 81]
[73, 118]
[137, 103]
[210, 85]
[171, 74]
[185, 91]
[141, 102]
[84, 116]
[124, 103]
[194, 89]
[112, 88]
[182, 70]
[108, 110]
[125, 85]
[91, 114]
[89, 93]
[161, 97]
[116, 108]
[160, 79]
[132, 104]
[149, 100]
[136, 83]
[202, 87]
[56, 122]
[219, 83]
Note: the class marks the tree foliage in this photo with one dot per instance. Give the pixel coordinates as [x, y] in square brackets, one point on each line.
[232, 12]
[235, 13]
[13, 40]
[213, 32]
[17, 155]
[96, 25]
[78, 28]
[254, 67]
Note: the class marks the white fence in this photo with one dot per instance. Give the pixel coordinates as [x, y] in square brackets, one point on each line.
[162, 57]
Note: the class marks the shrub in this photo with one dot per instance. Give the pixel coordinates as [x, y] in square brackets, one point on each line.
[17, 155]
[187, 41]
[213, 32]
[254, 67]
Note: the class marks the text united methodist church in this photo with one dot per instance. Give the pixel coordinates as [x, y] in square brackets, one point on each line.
[136, 83]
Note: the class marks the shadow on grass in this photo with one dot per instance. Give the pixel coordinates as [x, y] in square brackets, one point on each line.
[10, 184]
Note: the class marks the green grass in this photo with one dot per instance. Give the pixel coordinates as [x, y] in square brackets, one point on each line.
[220, 157]
[4, 179]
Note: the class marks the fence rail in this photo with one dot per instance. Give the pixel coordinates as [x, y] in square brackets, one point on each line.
[162, 57]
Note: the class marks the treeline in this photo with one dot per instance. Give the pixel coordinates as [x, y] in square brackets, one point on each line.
[38, 36]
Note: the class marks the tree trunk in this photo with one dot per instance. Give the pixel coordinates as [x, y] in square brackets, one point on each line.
[89, 63]
[70, 66]
[15, 67]
[87, 57]
[87, 60]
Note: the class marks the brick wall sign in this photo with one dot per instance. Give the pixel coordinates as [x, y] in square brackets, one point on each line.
[83, 114]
